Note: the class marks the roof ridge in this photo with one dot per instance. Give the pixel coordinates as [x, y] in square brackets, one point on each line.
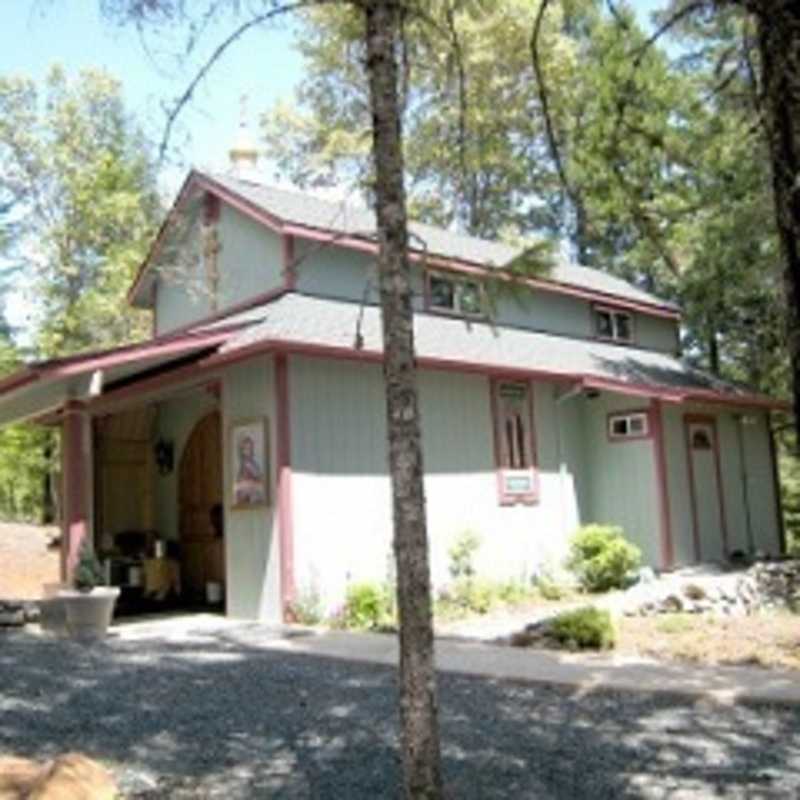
[504, 251]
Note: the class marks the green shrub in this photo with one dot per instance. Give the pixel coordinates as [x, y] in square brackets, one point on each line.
[462, 552]
[549, 588]
[88, 571]
[586, 628]
[307, 608]
[602, 558]
[472, 596]
[514, 593]
[367, 605]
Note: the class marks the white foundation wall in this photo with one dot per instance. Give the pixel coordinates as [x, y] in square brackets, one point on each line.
[340, 484]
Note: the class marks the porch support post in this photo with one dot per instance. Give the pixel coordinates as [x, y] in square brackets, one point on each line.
[76, 482]
[284, 457]
[662, 489]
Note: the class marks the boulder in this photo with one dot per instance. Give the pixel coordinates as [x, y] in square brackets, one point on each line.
[69, 777]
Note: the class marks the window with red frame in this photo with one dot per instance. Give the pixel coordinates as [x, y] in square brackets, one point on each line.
[515, 442]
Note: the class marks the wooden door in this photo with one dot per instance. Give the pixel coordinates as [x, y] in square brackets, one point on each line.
[708, 509]
[200, 489]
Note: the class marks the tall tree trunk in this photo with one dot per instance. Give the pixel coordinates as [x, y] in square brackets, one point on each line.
[48, 512]
[582, 231]
[418, 711]
[779, 47]
[713, 353]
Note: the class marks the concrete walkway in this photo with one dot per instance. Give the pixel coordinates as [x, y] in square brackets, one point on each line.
[584, 672]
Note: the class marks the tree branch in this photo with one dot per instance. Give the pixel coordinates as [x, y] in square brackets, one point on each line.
[219, 51]
[544, 101]
[639, 53]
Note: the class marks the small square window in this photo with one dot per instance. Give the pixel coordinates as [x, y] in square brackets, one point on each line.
[622, 324]
[470, 300]
[636, 425]
[464, 297]
[614, 325]
[605, 324]
[442, 293]
[619, 426]
[628, 426]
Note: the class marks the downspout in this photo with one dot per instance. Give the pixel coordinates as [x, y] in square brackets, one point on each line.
[740, 423]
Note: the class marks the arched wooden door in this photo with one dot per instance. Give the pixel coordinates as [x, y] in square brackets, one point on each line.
[199, 491]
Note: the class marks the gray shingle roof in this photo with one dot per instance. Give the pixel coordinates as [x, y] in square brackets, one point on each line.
[311, 211]
[314, 321]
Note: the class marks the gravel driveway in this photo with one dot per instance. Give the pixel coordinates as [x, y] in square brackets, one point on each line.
[219, 714]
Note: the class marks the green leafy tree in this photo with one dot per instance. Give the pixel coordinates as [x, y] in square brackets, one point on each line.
[78, 207]
[78, 171]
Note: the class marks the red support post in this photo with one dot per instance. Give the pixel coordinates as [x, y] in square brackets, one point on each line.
[76, 474]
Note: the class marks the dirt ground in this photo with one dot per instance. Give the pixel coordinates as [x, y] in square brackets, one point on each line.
[768, 639]
[26, 562]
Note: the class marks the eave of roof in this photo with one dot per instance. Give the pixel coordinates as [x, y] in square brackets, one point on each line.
[302, 324]
[275, 327]
[366, 243]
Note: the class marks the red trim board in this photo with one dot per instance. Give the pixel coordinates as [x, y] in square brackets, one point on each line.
[75, 471]
[284, 493]
[660, 458]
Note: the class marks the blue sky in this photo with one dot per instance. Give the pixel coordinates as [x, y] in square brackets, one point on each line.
[37, 33]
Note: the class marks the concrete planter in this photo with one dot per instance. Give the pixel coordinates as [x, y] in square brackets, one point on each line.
[88, 614]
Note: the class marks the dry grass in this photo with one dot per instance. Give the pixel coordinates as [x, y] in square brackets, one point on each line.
[26, 561]
[768, 639]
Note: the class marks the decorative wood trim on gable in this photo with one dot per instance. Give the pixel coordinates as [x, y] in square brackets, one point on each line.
[211, 208]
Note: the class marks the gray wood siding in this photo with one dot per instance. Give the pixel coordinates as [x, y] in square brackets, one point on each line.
[251, 535]
[325, 270]
[343, 504]
[249, 263]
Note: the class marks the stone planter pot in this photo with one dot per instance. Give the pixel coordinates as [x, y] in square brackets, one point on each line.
[53, 618]
[88, 614]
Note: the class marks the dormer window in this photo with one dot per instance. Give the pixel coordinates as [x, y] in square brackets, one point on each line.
[613, 324]
[459, 296]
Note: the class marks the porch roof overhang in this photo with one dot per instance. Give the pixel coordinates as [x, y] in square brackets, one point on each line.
[300, 324]
[45, 387]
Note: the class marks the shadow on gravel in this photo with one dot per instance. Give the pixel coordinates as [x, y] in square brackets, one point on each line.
[221, 714]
